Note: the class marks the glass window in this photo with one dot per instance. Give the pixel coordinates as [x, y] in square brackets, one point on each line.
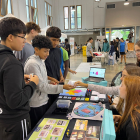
[9, 10]
[79, 17]
[35, 3]
[28, 15]
[32, 3]
[72, 17]
[27, 2]
[66, 17]
[48, 14]
[50, 10]
[3, 8]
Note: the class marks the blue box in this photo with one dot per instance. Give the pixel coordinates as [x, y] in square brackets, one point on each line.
[107, 128]
[102, 83]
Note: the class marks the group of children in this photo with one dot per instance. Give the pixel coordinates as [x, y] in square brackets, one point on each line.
[24, 90]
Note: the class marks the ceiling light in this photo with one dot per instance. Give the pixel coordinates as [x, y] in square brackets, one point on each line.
[126, 3]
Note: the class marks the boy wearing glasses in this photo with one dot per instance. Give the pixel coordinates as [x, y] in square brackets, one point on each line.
[14, 93]
[28, 50]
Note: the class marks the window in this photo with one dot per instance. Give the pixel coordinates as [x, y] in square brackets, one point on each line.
[5, 7]
[72, 17]
[66, 18]
[79, 16]
[48, 14]
[32, 11]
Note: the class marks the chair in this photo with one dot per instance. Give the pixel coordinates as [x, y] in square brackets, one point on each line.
[130, 48]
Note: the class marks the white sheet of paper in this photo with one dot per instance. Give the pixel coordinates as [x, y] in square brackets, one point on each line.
[95, 93]
[103, 96]
[71, 82]
[94, 98]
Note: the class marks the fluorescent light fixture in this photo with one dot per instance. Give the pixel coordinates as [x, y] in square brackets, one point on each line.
[126, 3]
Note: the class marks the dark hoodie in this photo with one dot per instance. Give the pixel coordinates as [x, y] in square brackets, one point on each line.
[14, 94]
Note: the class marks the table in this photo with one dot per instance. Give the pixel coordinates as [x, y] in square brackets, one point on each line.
[99, 57]
[72, 122]
[85, 67]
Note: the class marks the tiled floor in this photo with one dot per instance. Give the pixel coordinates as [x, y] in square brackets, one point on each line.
[111, 71]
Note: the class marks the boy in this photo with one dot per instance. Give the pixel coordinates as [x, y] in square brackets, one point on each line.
[35, 64]
[14, 94]
[28, 50]
[68, 49]
[53, 61]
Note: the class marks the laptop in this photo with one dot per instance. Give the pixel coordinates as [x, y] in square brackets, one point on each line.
[96, 75]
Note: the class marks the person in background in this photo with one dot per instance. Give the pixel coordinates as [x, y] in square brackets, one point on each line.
[111, 53]
[99, 48]
[64, 61]
[129, 123]
[15, 88]
[53, 62]
[117, 46]
[68, 49]
[105, 50]
[116, 50]
[90, 50]
[32, 30]
[123, 50]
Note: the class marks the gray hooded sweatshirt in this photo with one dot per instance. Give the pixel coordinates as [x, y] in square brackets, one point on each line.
[40, 96]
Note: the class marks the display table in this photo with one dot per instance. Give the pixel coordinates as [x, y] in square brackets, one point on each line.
[72, 122]
[98, 58]
[85, 67]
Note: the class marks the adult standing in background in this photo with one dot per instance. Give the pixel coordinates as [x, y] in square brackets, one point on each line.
[117, 44]
[67, 45]
[105, 49]
[123, 50]
[89, 50]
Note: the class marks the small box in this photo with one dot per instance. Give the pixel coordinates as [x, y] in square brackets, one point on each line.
[86, 99]
[63, 103]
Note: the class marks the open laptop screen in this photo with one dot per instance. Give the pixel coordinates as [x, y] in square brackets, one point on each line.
[97, 72]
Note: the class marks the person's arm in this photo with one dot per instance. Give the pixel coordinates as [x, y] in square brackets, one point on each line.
[66, 63]
[108, 47]
[15, 94]
[43, 86]
[72, 71]
[53, 79]
[61, 77]
[125, 47]
[100, 89]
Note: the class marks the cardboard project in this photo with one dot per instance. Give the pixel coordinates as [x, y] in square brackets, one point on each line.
[107, 128]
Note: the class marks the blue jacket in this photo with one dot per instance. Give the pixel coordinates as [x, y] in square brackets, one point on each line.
[105, 47]
[112, 50]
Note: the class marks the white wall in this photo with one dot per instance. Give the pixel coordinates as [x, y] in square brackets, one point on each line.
[92, 17]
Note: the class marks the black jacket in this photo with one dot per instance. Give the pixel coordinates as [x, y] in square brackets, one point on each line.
[14, 94]
[127, 132]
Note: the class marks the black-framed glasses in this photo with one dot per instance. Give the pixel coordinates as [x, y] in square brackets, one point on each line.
[20, 37]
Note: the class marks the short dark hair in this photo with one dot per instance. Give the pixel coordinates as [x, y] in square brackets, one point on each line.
[66, 40]
[11, 25]
[41, 41]
[105, 40]
[90, 39]
[53, 32]
[32, 25]
[111, 42]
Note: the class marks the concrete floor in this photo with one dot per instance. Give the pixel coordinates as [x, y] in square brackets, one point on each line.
[111, 71]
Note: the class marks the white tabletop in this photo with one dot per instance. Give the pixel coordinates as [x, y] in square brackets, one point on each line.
[85, 67]
[102, 56]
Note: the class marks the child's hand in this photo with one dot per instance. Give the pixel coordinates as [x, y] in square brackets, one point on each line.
[53, 83]
[34, 79]
[68, 87]
[56, 81]
[116, 118]
[26, 78]
[62, 79]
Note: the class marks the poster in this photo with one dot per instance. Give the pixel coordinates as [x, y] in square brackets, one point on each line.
[72, 45]
[50, 129]
[79, 92]
[89, 111]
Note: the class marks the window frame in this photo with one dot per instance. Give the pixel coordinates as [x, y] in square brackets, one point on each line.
[7, 8]
[48, 16]
[77, 17]
[66, 18]
[31, 7]
[74, 17]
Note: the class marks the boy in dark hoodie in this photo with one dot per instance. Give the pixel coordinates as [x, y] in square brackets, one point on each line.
[15, 88]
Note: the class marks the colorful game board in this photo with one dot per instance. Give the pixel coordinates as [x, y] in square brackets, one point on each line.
[80, 92]
[50, 129]
[91, 111]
